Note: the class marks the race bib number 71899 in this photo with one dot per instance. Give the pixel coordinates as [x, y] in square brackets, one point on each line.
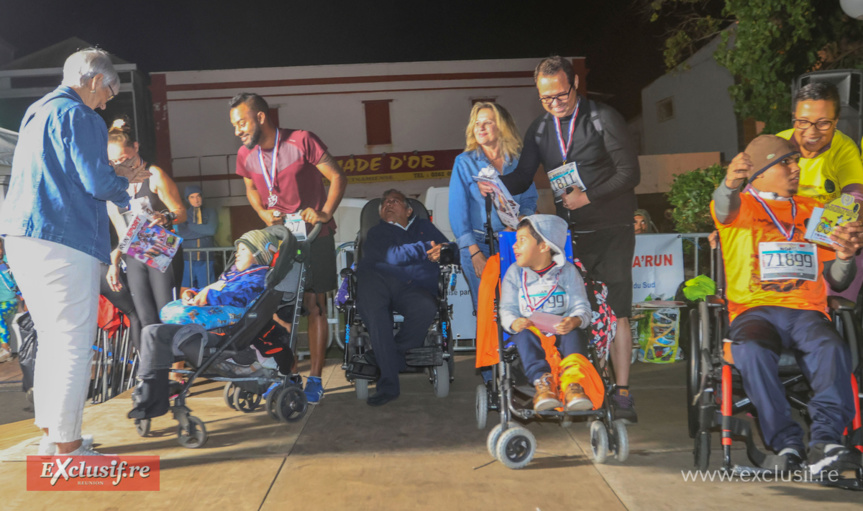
[788, 260]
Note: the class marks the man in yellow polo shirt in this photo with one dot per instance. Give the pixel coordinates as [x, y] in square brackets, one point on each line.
[830, 162]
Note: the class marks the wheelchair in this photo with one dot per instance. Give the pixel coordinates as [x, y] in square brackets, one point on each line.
[435, 357]
[511, 395]
[714, 388]
[285, 399]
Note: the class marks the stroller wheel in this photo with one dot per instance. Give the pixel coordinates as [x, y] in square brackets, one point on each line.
[291, 404]
[481, 406]
[195, 437]
[441, 380]
[493, 437]
[245, 401]
[362, 387]
[598, 441]
[271, 402]
[142, 426]
[516, 447]
[228, 394]
[621, 445]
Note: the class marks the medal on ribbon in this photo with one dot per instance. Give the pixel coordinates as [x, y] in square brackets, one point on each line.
[270, 177]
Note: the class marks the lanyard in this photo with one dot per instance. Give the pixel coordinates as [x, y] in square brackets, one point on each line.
[564, 149]
[779, 225]
[542, 300]
[270, 179]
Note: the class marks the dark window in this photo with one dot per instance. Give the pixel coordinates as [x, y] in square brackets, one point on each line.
[378, 130]
[273, 114]
[665, 110]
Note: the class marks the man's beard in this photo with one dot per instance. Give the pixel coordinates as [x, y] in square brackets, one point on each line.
[254, 138]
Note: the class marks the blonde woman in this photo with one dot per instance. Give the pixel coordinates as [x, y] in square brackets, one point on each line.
[151, 289]
[492, 141]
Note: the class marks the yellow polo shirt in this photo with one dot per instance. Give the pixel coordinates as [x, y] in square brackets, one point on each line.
[823, 177]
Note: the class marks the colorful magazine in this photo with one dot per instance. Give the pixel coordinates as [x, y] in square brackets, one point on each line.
[507, 208]
[154, 245]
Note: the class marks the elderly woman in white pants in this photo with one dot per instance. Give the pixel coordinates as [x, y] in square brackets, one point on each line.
[56, 225]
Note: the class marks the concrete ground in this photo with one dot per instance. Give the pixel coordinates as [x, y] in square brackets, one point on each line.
[418, 452]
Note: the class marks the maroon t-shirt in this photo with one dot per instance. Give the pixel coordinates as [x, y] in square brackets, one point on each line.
[299, 184]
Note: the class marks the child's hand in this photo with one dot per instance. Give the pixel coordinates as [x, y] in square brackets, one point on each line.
[520, 324]
[200, 299]
[567, 325]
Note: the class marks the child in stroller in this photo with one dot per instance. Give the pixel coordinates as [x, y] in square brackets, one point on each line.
[544, 292]
[216, 306]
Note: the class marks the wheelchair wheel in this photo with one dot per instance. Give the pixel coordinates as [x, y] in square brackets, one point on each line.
[516, 447]
[245, 401]
[598, 441]
[491, 440]
[694, 368]
[702, 450]
[621, 447]
[196, 436]
[228, 394]
[481, 406]
[291, 404]
[142, 426]
[270, 403]
[440, 375]
[362, 387]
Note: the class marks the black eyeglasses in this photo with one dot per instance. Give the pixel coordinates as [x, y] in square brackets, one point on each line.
[113, 94]
[820, 125]
[549, 100]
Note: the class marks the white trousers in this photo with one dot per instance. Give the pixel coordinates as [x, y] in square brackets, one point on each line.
[61, 288]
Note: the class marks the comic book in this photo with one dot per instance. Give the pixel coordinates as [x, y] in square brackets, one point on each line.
[836, 212]
[507, 208]
[154, 246]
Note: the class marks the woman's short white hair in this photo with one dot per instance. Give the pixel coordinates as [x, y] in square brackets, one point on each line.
[83, 65]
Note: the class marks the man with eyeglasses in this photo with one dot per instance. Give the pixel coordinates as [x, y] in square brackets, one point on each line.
[578, 136]
[830, 162]
[398, 271]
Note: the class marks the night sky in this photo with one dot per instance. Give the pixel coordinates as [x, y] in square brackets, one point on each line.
[159, 35]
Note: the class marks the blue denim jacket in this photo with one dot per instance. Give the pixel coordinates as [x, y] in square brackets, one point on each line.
[61, 178]
[467, 205]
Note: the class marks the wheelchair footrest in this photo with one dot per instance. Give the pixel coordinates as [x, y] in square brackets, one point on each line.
[426, 356]
[358, 370]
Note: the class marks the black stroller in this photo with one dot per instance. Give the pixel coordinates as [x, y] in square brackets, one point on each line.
[285, 401]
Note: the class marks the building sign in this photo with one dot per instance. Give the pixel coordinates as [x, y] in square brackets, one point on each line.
[657, 267]
[373, 168]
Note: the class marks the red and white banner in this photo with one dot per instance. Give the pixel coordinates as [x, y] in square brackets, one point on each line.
[657, 267]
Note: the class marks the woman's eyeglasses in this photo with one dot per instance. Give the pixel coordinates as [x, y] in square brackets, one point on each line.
[820, 125]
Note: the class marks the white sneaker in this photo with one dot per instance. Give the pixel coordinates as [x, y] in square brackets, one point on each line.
[83, 451]
[5, 352]
[49, 448]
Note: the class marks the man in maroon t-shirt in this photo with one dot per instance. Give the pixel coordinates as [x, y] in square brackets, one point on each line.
[293, 185]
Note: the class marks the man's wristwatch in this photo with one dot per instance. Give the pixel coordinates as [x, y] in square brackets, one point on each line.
[169, 216]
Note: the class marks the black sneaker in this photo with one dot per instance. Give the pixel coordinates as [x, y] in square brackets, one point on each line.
[793, 459]
[833, 458]
[623, 406]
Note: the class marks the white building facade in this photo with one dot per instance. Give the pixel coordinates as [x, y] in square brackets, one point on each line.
[398, 124]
